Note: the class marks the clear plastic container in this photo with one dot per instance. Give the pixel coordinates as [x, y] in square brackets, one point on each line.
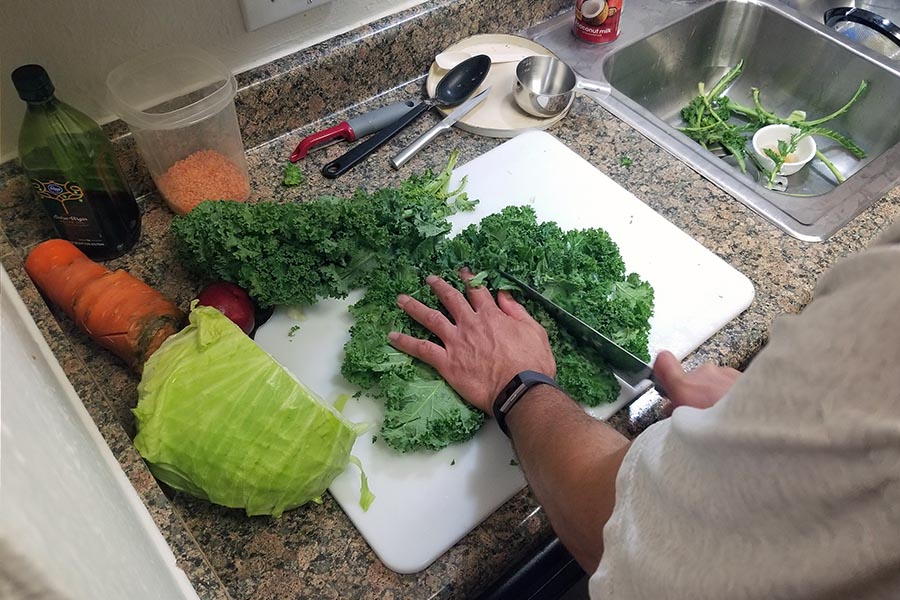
[179, 105]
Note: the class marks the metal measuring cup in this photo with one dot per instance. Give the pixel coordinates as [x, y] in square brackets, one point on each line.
[546, 86]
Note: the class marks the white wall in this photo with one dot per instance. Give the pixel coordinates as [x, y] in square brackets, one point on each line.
[80, 41]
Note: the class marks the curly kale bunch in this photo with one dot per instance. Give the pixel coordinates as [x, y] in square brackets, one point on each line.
[388, 242]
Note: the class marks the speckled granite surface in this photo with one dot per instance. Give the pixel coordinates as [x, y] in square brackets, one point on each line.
[314, 551]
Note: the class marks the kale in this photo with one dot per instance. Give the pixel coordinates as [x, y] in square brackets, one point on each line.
[714, 120]
[421, 410]
[300, 252]
[388, 242]
[292, 175]
[582, 270]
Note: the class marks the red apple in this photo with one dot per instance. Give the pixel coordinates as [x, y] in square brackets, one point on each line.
[232, 301]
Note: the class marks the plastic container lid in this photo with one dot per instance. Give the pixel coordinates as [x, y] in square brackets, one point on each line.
[170, 88]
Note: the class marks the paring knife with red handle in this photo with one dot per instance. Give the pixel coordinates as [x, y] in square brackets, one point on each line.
[352, 129]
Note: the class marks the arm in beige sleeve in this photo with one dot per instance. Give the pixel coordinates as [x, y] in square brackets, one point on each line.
[789, 487]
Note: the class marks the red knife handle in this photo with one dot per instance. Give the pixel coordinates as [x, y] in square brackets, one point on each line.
[341, 130]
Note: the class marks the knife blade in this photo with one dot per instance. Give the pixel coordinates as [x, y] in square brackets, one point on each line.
[423, 140]
[631, 369]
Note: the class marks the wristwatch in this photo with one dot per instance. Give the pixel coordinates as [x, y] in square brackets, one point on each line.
[514, 390]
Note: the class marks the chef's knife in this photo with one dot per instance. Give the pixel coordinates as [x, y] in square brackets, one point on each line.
[423, 140]
[623, 363]
[352, 129]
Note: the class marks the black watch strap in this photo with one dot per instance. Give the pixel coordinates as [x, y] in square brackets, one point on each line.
[514, 391]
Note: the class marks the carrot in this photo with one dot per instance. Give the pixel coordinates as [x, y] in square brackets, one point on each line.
[116, 309]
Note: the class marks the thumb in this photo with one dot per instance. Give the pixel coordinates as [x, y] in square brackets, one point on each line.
[670, 373]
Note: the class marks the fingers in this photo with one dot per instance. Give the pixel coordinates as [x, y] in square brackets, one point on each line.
[431, 319]
[669, 372]
[427, 352]
[450, 297]
[512, 308]
[480, 297]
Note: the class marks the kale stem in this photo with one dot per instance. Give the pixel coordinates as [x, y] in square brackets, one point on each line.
[863, 85]
[841, 139]
[727, 78]
[770, 117]
[711, 111]
[703, 128]
[831, 167]
[743, 110]
[699, 116]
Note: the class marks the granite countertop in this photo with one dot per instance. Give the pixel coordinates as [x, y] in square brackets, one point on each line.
[315, 551]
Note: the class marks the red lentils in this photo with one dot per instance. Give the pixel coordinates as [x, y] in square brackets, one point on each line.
[204, 175]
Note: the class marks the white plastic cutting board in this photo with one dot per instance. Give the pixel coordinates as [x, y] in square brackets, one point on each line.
[426, 501]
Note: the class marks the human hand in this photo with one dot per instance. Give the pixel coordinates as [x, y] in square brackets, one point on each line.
[700, 388]
[487, 344]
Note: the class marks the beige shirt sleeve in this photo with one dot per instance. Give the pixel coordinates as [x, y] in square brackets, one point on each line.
[789, 487]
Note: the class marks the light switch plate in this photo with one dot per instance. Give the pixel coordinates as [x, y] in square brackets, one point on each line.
[259, 13]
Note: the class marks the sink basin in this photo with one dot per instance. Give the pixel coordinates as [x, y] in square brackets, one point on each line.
[796, 62]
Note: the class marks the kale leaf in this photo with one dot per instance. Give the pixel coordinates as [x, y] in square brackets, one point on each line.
[388, 241]
[300, 252]
[581, 270]
[292, 175]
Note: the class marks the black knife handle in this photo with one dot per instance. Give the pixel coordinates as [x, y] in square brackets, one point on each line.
[349, 159]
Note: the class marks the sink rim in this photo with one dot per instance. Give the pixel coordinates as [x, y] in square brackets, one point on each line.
[858, 192]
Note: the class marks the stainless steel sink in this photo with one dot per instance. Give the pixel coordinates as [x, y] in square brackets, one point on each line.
[668, 46]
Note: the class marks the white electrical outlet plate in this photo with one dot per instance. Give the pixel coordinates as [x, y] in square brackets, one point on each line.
[259, 13]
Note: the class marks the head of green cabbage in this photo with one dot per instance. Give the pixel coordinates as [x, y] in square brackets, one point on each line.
[220, 419]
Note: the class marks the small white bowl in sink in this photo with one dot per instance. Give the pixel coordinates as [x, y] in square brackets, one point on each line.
[769, 136]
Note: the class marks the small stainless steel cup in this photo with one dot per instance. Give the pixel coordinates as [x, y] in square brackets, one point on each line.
[546, 86]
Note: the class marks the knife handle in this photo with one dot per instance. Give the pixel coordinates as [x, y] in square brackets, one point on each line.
[420, 142]
[344, 163]
[351, 130]
[372, 121]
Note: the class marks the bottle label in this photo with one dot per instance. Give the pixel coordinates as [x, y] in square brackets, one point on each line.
[597, 21]
[73, 218]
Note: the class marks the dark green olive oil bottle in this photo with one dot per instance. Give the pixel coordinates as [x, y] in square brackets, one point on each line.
[73, 171]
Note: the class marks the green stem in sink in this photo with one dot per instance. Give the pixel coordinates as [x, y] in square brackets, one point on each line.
[726, 79]
[709, 107]
[710, 122]
[841, 139]
[779, 156]
[863, 86]
[831, 167]
[764, 115]
[742, 110]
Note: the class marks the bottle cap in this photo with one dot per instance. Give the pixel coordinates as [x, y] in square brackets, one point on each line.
[32, 83]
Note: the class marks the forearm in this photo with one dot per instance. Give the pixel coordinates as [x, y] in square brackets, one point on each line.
[571, 461]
